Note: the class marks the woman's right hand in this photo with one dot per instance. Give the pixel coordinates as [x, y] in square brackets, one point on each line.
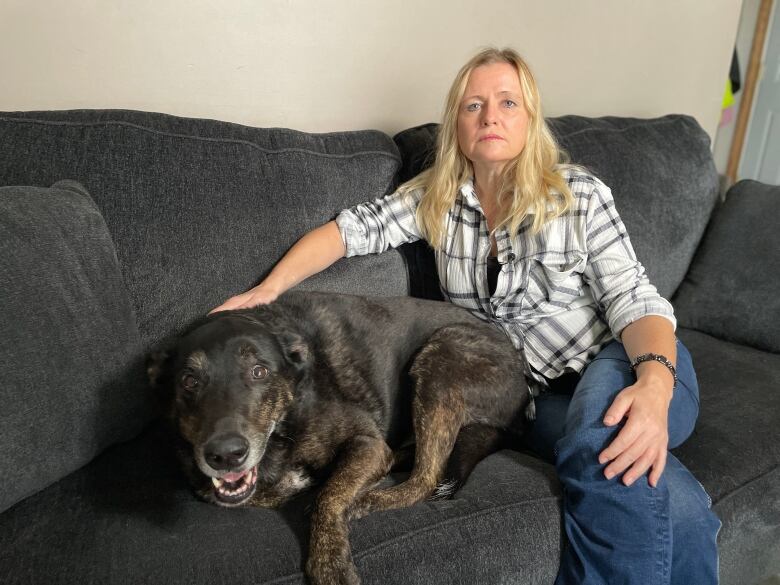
[314, 252]
[262, 294]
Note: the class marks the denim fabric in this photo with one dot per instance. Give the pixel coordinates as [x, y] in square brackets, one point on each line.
[619, 534]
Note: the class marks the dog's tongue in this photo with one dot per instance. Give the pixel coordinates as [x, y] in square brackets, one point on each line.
[231, 477]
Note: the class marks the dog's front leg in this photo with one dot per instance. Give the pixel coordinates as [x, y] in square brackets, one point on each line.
[364, 460]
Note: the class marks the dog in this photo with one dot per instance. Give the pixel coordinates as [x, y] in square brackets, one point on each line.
[319, 388]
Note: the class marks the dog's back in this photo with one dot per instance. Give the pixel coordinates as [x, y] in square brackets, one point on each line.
[374, 339]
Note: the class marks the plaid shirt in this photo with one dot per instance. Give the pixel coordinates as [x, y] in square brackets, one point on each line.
[561, 294]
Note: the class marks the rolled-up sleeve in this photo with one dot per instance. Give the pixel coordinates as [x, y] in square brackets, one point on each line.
[616, 277]
[375, 226]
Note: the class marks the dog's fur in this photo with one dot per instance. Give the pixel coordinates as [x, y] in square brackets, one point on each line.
[319, 388]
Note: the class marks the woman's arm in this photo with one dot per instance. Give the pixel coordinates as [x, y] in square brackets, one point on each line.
[313, 253]
[644, 322]
[368, 228]
[642, 442]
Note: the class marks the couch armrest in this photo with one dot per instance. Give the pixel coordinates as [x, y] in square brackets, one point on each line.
[731, 288]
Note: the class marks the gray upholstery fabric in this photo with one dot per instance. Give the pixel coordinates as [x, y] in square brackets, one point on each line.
[663, 178]
[138, 523]
[731, 289]
[735, 452]
[660, 171]
[200, 210]
[72, 379]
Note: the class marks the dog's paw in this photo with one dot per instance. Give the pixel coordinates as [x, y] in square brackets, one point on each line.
[444, 491]
[267, 499]
[331, 572]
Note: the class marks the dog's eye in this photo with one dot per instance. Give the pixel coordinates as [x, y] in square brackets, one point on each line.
[189, 381]
[259, 372]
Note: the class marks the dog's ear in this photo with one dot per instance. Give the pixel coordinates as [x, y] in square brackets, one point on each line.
[296, 351]
[156, 368]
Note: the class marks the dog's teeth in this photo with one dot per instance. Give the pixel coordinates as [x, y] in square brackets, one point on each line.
[217, 482]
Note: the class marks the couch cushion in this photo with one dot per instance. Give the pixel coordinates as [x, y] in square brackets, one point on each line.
[735, 451]
[128, 518]
[660, 171]
[200, 209]
[731, 288]
[72, 378]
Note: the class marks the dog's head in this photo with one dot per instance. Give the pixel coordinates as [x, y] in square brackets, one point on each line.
[231, 380]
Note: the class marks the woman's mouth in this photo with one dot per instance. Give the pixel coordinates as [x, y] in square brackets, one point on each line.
[490, 138]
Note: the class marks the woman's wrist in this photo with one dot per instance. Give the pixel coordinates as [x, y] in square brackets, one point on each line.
[655, 374]
[270, 288]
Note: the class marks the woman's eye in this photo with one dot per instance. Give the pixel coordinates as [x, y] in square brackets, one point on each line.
[189, 381]
[510, 103]
[259, 372]
[472, 107]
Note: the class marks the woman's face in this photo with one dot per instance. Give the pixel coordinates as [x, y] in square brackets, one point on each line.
[492, 119]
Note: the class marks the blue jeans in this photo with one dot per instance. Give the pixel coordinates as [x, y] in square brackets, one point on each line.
[618, 534]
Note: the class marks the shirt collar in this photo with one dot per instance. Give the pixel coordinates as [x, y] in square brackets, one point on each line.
[470, 195]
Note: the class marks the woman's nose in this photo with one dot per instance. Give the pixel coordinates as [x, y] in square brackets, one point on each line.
[488, 114]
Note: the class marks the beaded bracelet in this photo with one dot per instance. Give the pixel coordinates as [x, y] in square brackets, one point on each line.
[646, 357]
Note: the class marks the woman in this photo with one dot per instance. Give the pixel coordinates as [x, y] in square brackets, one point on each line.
[537, 247]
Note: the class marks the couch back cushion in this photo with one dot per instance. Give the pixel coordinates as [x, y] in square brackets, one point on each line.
[730, 291]
[70, 354]
[200, 210]
[660, 171]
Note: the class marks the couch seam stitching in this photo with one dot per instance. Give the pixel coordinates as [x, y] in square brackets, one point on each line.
[425, 529]
[626, 129]
[201, 138]
[746, 485]
[441, 523]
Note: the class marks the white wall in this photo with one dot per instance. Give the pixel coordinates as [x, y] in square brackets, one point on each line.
[326, 65]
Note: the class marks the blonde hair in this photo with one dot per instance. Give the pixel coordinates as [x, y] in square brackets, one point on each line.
[532, 182]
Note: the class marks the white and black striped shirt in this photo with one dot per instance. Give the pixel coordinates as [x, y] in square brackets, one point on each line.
[561, 294]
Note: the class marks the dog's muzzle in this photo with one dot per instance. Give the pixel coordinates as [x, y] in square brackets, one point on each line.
[224, 453]
[236, 487]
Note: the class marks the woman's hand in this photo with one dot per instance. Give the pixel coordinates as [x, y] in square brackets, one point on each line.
[643, 440]
[314, 252]
[262, 294]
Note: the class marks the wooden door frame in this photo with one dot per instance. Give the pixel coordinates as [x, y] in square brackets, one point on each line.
[751, 80]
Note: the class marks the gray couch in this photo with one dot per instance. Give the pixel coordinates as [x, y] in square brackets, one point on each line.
[118, 228]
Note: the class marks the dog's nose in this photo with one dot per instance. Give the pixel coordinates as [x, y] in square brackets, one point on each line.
[226, 451]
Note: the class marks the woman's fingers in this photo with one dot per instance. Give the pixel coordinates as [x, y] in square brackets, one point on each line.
[658, 468]
[624, 458]
[260, 295]
[639, 446]
[232, 303]
[618, 409]
[640, 467]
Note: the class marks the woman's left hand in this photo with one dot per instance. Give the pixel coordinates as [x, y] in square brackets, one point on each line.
[642, 442]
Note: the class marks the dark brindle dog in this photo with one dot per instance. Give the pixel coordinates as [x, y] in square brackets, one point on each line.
[321, 386]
